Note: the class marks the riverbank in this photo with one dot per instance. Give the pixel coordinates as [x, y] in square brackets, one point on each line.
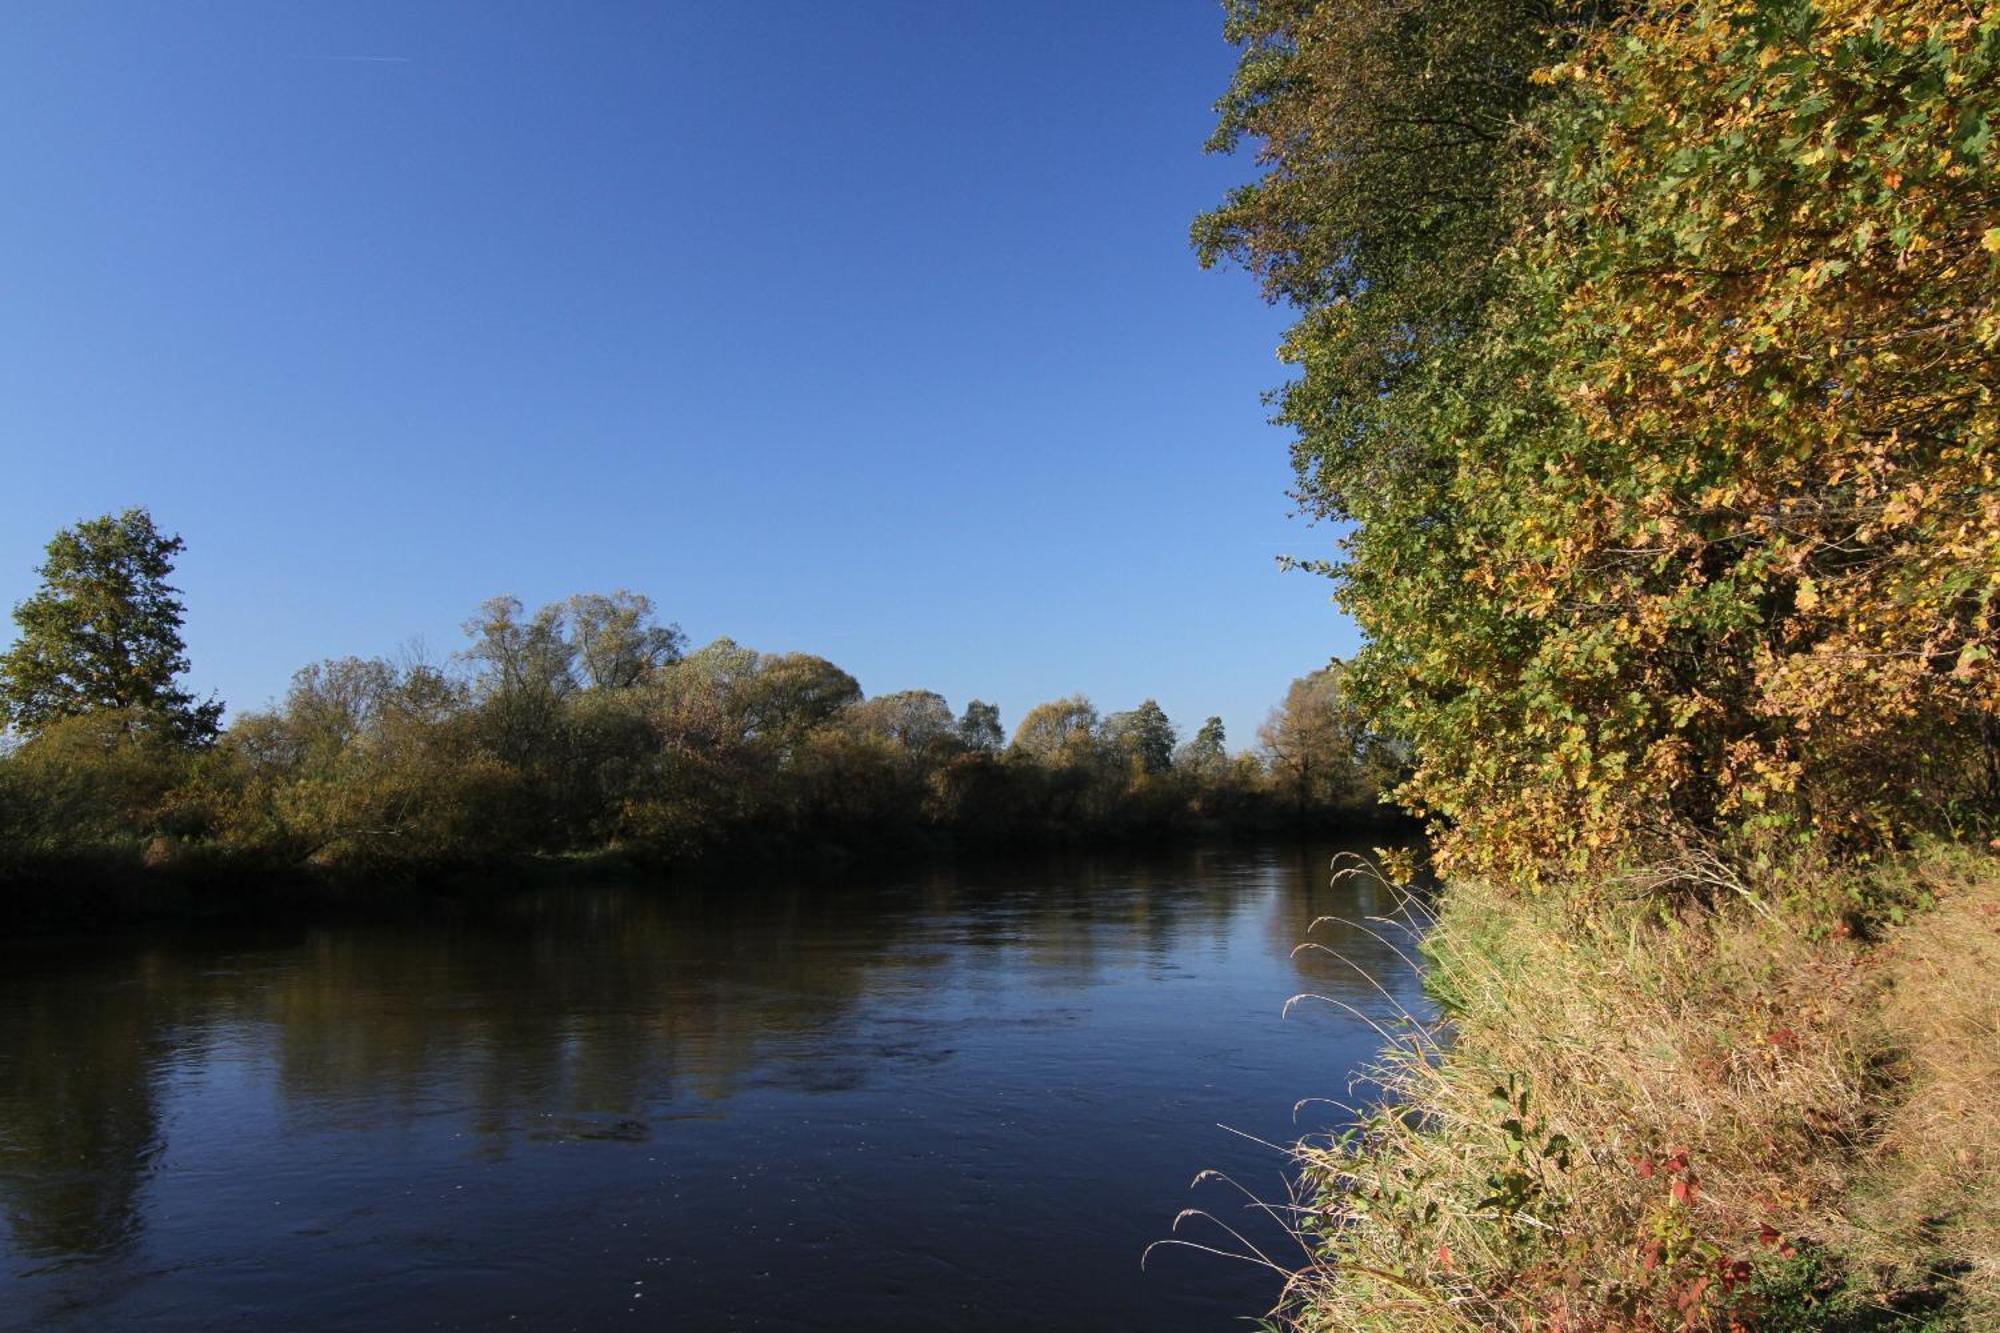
[161, 882]
[1686, 1101]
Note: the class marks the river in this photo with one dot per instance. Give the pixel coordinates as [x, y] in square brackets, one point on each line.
[960, 1099]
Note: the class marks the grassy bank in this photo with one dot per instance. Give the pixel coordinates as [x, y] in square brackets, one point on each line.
[1687, 1101]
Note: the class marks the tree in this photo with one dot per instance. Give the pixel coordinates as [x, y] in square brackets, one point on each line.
[1389, 130]
[524, 677]
[1061, 732]
[726, 696]
[617, 640]
[918, 721]
[1145, 735]
[515, 656]
[979, 728]
[1647, 353]
[332, 705]
[698, 703]
[104, 632]
[1315, 741]
[791, 693]
[1395, 171]
[1207, 753]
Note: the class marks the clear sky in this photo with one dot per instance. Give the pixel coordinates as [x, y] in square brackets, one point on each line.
[869, 329]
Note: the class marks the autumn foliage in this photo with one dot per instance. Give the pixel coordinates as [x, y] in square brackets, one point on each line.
[1650, 353]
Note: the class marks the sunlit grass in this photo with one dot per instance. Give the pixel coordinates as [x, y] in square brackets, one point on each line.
[1711, 1108]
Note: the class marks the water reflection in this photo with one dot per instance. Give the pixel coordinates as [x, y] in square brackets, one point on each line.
[1022, 1066]
[79, 1119]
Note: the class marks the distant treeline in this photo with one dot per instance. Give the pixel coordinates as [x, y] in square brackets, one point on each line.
[584, 727]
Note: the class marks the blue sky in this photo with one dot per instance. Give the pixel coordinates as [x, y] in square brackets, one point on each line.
[868, 329]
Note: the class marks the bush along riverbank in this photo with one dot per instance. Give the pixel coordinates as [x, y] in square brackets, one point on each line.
[1647, 353]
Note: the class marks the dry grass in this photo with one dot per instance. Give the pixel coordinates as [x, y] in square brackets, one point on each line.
[1926, 1211]
[1707, 1117]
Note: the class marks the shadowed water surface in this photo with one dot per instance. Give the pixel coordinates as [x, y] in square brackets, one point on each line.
[961, 1099]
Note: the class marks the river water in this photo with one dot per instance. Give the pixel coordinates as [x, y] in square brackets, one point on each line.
[949, 1099]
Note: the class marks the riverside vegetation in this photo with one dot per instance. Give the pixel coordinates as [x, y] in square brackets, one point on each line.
[1648, 353]
[582, 729]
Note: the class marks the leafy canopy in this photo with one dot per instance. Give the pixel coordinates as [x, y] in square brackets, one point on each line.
[103, 633]
[1648, 352]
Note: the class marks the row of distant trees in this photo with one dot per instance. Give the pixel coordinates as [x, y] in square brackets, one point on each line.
[585, 725]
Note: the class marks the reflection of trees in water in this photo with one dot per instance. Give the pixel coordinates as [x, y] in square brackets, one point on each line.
[1342, 918]
[1072, 917]
[79, 1123]
[590, 1002]
[579, 1011]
